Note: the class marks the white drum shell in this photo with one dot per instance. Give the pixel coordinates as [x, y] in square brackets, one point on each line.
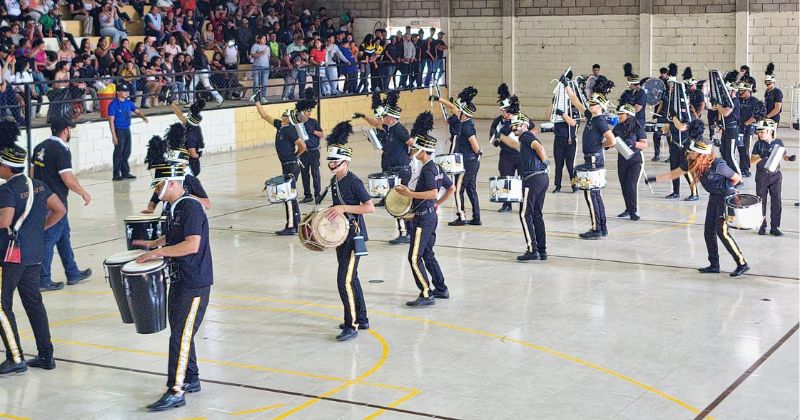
[587, 180]
[775, 158]
[744, 218]
[451, 164]
[379, 187]
[507, 189]
[279, 193]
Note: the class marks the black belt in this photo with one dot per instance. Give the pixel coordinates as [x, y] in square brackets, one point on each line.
[424, 212]
[400, 167]
[532, 174]
[290, 163]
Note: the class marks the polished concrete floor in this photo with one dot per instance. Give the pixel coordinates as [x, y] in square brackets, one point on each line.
[622, 327]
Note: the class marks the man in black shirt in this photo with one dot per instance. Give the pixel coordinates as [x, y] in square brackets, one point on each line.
[52, 164]
[289, 147]
[509, 163]
[773, 97]
[187, 250]
[752, 109]
[351, 200]
[730, 124]
[27, 208]
[769, 181]
[310, 159]
[467, 144]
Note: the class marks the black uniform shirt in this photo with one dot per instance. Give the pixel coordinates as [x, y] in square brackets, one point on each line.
[395, 147]
[717, 181]
[770, 98]
[311, 125]
[351, 191]
[630, 132]
[529, 158]
[463, 145]
[455, 124]
[732, 120]
[188, 219]
[52, 158]
[192, 186]
[593, 134]
[501, 125]
[639, 98]
[194, 138]
[746, 110]
[431, 177]
[284, 142]
[30, 237]
[763, 149]
[696, 99]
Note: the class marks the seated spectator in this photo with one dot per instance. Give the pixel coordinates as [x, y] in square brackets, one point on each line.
[80, 71]
[81, 10]
[51, 26]
[41, 64]
[153, 26]
[172, 47]
[154, 83]
[131, 74]
[23, 75]
[65, 53]
[190, 24]
[105, 57]
[275, 51]
[209, 38]
[122, 54]
[13, 11]
[108, 28]
[139, 54]
[15, 34]
[38, 8]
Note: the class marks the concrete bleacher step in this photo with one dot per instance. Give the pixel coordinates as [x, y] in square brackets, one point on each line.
[75, 27]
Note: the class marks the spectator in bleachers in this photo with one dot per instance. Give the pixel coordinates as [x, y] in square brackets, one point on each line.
[436, 50]
[108, 27]
[153, 26]
[259, 56]
[105, 57]
[366, 58]
[231, 56]
[317, 59]
[60, 95]
[275, 50]
[41, 64]
[80, 10]
[51, 26]
[131, 75]
[201, 79]
[244, 37]
[38, 8]
[172, 47]
[350, 70]
[85, 88]
[65, 53]
[179, 64]
[409, 52]
[190, 23]
[9, 96]
[12, 11]
[14, 34]
[122, 55]
[333, 57]
[139, 54]
[21, 75]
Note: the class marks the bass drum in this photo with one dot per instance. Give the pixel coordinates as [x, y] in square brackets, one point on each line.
[317, 233]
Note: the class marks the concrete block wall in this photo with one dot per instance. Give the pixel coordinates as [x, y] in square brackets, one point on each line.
[774, 37]
[693, 6]
[415, 8]
[757, 6]
[575, 7]
[695, 40]
[476, 58]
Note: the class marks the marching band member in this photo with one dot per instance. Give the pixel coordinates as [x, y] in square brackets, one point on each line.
[630, 131]
[351, 199]
[194, 143]
[596, 136]
[186, 248]
[679, 141]
[467, 145]
[730, 123]
[773, 97]
[752, 110]
[27, 209]
[534, 186]
[509, 163]
[310, 159]
[718, 179]
[768, 182]
[634, 95]
[660, 115]
[564, 145]
[290, 147]
[697, 101]
[395, 149]
[425, 202]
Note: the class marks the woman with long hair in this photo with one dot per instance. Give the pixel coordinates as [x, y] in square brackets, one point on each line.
[366, 53]
[60, 96]
[718, 179]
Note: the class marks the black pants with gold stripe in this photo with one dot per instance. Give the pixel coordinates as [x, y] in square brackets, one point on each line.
[186, 310]
[468, 183]
[24, 278]
[291, 206]
[716, 226]
[534, 190]
[421, 255]
[355, 310]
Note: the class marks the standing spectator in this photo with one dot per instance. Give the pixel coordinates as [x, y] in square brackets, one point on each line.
[426, 57]
[259, 56]
[350, 70]
[153, 25]
[52, 164]
[60, 95]
[105, 59]
[275, 51]
[180, 78]
[366, 59]
[108, 25]
[244, 38]
[333, 56]
[201, 77]
[437, 49]
[119, 120]
[80, 10]
[409, 56]
[231, 56]
[317, 60]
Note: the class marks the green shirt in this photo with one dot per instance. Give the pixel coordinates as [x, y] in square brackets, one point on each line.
[48, 23]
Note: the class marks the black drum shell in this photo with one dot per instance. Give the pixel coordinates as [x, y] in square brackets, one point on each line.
[114, 276]
[147, 230]
[146, 294]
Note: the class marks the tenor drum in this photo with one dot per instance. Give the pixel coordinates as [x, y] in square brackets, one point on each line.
[505, 189]
[743, 211]
[146, 293]
[451, 164]
[399, 205]
[381, 182]
[279, 189]
[317, 233]
[146, 227]
[587, 177]
[113, 267]
[775, 158]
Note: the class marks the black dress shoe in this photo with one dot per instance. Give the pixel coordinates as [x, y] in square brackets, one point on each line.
[128, 176]
[445, 294]
[543, 255]
[762, 230]
[625, 213]
[635, 217]
[740, 269]
[43, 363]
[475, 222]
[775, 232]
[556, 189]
[347, 334]
[167, 401]
[746, 174]
[592, 234]
[693, 197]
[603, 233]
[506, 207]
[8, 366]
[191, 387]
[402, 239]
[117, 178]
[457, 222]
[56, 285]
[361, 326]
[711, 269]
[287, 232]
[655, 158]
[82, 275]
[528, 256]
[422, 301]
[306, 199]
[673, 195]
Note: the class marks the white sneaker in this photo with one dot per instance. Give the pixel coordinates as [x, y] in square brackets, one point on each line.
[264, 101]
[219, 103]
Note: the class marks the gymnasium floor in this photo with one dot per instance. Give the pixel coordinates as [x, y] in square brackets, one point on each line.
[622, 327]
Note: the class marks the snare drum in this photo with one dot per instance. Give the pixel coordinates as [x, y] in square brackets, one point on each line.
[317, 233]
[547, 127]
[280, 189]
[142, 226]
[588, 177]
[505, 189]
[399, 205]
[652, 127]
[743, 211]
[146, 293]
[381, 182]
[451, 164]
[113, 267]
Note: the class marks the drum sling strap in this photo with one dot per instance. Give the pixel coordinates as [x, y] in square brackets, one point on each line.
[13, 252]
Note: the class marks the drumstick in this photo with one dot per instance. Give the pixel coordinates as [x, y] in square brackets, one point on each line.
[647, 183]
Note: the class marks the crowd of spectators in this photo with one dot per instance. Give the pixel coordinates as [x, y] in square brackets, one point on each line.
[193, 47]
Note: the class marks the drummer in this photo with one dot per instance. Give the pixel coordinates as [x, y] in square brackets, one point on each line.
[509, 163]
[718, 180]
[158, 153]
[535, 168]
[290, 147]
[396, 154]
[425, 202]
[769, 182]
[22, 273]
[188, 253]
[352, 200]
[630, 130]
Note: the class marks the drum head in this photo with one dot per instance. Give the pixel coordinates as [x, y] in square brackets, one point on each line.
[280, 179]
[398, 205]
[654, 88]
[123, 257]
[306, 234]
[329, 233]
[134, 267]
[142, 218]
[741, 201]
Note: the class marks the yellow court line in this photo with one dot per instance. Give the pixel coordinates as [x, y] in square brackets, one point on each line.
[256, 410]
[12, 417]
[357, 380]
[393, 404]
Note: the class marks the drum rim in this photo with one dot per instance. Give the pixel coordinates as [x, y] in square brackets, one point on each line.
[284, 179]
[315, 220]
[145, 267]
[737, 206]
[134, 253]
[142, 218]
